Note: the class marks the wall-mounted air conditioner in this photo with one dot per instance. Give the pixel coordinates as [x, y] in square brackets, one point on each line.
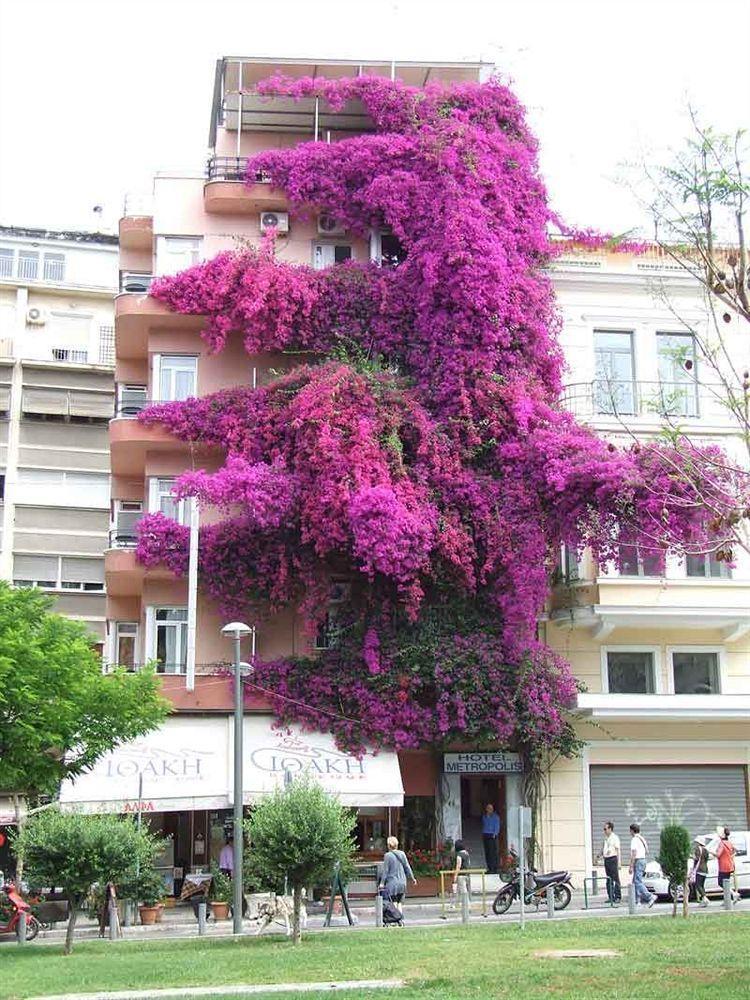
[36, 316]
[329, 225]
[274, 220]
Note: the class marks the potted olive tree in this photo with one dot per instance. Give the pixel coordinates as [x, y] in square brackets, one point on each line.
[220, 895]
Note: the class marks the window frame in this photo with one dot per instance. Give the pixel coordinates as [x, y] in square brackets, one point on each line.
[156, 493]
[60, 585]
[156, 375]
[615, 411]
[327, 248]
[27, 255]
[9, 254]
[53, 258]
[115, 645]
[691, 377]
[725, 573]
[152, 640]
[655, 652]
[721, 675]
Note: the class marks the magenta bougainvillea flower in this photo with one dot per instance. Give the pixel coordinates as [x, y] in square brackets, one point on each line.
[419, 451]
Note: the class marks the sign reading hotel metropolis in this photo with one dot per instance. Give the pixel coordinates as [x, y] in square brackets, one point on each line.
[500, 762]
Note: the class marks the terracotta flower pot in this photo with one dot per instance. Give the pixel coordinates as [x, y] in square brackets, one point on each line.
[220, 911]
[148, 914]
[159, 912]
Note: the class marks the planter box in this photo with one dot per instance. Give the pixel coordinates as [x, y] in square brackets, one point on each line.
[427, 885]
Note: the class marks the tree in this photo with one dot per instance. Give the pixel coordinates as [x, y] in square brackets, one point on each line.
[75, 851]
[299, 834]
[675, 849]
[58, 711]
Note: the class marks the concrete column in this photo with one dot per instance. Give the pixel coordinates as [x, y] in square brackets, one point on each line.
[513, 799]
[449, 807]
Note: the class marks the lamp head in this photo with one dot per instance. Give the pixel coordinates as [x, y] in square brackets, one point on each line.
[236, 628]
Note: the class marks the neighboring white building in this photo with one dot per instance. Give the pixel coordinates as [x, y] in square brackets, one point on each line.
[56, 399]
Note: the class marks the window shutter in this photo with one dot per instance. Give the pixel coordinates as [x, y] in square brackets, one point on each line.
[34, 567]
[83, 570]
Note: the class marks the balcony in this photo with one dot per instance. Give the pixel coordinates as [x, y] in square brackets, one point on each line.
[131, 400]
[136, 315]
[637, 403]
[675, 707]
[136, 226]
[227, 193]
[123, 538]
[135, 281]
[125, 576]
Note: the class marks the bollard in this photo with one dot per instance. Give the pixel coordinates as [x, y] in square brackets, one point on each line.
[728, 901]
[202, 918]
[594, 882]
[22, 927]
[631, 898]
[464, 901]
[378, 910]
[550, 894]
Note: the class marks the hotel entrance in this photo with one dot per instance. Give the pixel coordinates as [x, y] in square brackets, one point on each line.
[476, 792]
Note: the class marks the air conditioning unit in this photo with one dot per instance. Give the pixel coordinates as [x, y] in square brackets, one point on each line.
[329, 225]
[274, 220]
[36, 316]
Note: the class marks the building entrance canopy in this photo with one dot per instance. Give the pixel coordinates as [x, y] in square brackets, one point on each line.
[186, 765]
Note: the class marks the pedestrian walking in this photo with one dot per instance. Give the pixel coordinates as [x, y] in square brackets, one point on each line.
[490, 836]
[611, 856]
[725, 852]
[638, 854]
[462, 864]
[699, 872]
[395, 872]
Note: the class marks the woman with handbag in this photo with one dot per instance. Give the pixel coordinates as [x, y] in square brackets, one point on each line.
[699, 871]
[396, 870]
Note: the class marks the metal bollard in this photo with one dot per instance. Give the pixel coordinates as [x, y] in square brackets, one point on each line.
[202, 918]
[550, 894]
[464, 901]
[378, 910]
[728, 901]
[22, 927]
[594, 882]
[631, 898]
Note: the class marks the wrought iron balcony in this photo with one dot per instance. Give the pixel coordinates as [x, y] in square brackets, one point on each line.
[625, 399]
[232, 168]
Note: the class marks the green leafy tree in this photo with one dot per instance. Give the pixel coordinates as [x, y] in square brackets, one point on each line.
[58, 711]
[675, 850]
[299, 834]
[76, 851]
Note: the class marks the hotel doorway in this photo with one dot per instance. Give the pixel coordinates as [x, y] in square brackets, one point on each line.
[476, 792]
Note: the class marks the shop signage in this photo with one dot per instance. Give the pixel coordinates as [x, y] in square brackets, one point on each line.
[501, 762]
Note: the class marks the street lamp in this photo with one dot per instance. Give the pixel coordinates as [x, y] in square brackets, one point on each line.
[237, 630]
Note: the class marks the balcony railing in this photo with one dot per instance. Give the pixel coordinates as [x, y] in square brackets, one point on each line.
[136, 283]
[130, 408]
[232, 168]
[123, 538]
[178, 669]
[659, 400]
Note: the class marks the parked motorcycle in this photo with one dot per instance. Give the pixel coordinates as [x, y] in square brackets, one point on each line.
[11, 907]
[536, 890]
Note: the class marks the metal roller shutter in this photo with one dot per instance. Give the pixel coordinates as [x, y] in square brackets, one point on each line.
[701, 798]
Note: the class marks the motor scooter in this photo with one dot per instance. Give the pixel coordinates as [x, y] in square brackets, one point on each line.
[536, 889]
[12, 905]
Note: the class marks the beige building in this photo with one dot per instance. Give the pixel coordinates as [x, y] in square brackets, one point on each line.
[56, 399]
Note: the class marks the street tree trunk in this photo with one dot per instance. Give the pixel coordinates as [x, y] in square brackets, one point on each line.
[73, 902]
[297, 916]
[686, 899]
[19, 821]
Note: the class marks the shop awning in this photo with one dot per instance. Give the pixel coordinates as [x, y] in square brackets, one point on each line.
[186, 764]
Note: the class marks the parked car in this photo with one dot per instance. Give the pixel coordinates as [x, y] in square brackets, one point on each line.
[656, 881]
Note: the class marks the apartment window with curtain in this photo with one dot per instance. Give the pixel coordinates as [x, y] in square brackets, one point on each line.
[125, 644]
[176, 376]
[54, 267]
[170, 628]
[614, 382]
[678, 385]
[695, 671]
[630, 671]
[708, 566]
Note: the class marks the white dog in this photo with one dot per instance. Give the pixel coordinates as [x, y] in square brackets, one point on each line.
[278, 910]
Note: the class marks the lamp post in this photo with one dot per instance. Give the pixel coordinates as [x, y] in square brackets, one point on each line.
[237, 630]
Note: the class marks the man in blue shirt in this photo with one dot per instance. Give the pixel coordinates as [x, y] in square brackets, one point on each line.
[490, 834]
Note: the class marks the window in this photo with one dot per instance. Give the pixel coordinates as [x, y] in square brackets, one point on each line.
[60, 488]
[78, 355]
[6, 262]
[326, 254]
[28, 264]
[36, 571]
[54, 267]
[176, 376]
[82, 574]
[614, 385]
[740, 843]
[569, 567]
[695, 672]
[125, 644]
[162, 500]
[127, 513]
[635, 562]
[630, 672]
[678, 387]
[175, 253]
[707, 565]
[131, 399]
[58, 573]
[171, 640]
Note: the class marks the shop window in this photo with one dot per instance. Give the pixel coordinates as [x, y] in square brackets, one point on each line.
[418, 823]
[636, 562]
[630, 672]
[708, 566]
[695, 672]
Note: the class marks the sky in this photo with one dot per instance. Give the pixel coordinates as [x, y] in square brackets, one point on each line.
[98, 95]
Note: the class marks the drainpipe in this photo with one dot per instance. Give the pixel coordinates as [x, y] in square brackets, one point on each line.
[239, 113]
[192, 596]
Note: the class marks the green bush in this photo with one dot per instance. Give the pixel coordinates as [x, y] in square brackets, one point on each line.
[221, 886]
[675, 849]
[299, 833]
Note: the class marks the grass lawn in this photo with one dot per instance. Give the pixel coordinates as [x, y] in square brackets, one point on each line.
[705, 956]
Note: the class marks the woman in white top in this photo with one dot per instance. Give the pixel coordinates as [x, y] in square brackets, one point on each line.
[638, 852]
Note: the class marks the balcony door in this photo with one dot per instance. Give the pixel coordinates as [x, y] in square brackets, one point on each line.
[678, 386]
[614, 385]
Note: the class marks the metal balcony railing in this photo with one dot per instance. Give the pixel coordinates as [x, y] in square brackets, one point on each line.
[136, 283]
[131, 407]
[123, 538]
[659, 400]
[232, 168]
[178, 669]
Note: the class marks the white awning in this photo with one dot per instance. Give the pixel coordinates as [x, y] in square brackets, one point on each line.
[186, 764]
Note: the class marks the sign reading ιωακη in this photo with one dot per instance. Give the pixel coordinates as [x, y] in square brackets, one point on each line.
[501, 762]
